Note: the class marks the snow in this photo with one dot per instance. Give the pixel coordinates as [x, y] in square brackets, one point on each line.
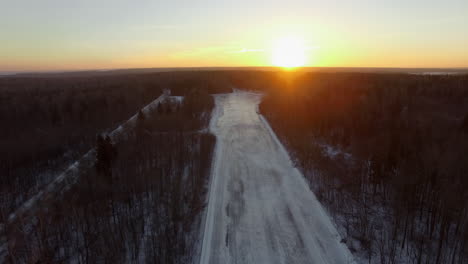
[261, 209]
[131, 122]
[64, 177]
[67, 178]
[332, 151]
[175, 99]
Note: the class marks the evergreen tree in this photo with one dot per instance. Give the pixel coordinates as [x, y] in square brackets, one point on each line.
[105, 155]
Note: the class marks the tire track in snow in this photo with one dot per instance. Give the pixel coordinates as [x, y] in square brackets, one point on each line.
[260, 208]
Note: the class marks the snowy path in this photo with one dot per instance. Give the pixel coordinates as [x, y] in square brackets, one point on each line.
[67, 178]
[261, 209]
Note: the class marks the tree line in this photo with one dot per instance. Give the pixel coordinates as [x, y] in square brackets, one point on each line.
[142, 200]
[50, 121]
[401, 194]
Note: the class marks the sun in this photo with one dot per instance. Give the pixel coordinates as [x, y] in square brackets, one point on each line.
[289, 52]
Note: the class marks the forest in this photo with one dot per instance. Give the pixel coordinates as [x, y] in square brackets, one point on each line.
[385, 154]
[115, 168]
[50, 122]
[136, 194]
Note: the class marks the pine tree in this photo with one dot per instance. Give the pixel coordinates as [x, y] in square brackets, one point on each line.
[105, 155]
[111, 150]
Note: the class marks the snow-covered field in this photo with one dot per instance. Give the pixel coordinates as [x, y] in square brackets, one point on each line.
[261, 209]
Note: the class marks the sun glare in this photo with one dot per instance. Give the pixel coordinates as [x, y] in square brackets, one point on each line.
[289, 52]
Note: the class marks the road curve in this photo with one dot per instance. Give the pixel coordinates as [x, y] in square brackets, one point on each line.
[260, 207]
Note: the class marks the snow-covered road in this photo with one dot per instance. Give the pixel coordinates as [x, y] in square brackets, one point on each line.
[260, 208]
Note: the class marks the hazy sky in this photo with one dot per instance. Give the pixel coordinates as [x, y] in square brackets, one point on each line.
[104, 34]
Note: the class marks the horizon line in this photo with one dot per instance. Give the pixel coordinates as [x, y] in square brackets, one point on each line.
[179, 68]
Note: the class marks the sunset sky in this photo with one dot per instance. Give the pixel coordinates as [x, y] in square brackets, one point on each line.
[108, 34]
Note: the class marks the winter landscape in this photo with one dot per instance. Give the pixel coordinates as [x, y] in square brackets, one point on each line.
[234, 167]
[234, 132]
